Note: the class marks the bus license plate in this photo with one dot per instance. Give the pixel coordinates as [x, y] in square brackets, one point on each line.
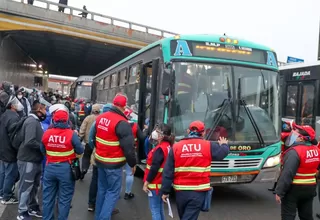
[229, 179]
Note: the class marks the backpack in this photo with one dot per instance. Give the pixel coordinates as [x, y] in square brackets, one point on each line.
[4, 98]
[15, 134]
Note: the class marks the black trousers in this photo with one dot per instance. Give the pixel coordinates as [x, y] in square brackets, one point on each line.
[86, 158]
[189, 204]
[298, 198]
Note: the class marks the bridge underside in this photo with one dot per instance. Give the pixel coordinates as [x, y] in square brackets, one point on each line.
[66, 55]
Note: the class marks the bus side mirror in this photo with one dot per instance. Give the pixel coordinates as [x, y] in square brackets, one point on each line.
[166, 81]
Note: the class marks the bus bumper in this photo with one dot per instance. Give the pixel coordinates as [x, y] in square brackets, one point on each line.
[267, 175]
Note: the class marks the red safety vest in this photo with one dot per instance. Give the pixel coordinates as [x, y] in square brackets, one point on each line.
[134, 131]
[81, 112]
[108, 148]
[192, 164]
[309, 163]
[58, 145]
[185, 84]
[156, 182]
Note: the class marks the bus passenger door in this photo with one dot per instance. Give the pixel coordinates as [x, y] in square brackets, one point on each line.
[147, 100]
[300, 102]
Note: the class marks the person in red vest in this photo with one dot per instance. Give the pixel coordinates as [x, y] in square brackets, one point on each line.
[114, 143]
[188, 169]
[81, 112]
[286, 131]
[61, 145]
[153, 174]
[296, 187]
[138, 137]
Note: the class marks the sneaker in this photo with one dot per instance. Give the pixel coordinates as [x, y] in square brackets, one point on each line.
[24, 217]
[128, 196]
[115, 211]
[35, 213]
[10, 201]
[91, 208]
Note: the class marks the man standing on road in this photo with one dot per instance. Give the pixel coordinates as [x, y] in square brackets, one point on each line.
[188, 169]
[114, 143]
[296, 187]
[29, 163]
[8, 155]
[84, 135]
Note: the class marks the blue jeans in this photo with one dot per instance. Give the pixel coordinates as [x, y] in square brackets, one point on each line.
[156, 206]
[57, 181]
[129, 178]
[8, 175]
[109, 189]
[93, 186]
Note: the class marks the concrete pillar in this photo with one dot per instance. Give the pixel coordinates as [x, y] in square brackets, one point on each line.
[45, 82]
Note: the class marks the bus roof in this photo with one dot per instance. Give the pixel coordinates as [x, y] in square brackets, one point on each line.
[299, 65]
[201, 37]
[85, 78]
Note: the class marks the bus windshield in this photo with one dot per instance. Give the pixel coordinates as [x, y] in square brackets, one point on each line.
[83, 92]
[201, 91]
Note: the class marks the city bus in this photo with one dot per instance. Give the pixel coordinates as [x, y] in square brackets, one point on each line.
[300, 93]
[232, 85]
[81, 88]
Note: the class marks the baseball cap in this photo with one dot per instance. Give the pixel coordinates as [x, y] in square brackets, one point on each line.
[120, 100]
[197, 125]
[60, 115]
[306, 131]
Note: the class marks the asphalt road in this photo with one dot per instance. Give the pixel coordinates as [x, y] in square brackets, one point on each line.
[233, 202]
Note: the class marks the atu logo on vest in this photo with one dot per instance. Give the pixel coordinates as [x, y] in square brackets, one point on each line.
[104, 124]
[57, 139]
[312, 153]
[191, 148]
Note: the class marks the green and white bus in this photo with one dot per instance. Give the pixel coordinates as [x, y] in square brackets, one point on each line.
[230, 84]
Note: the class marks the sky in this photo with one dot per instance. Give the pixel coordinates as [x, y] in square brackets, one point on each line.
[290, 27]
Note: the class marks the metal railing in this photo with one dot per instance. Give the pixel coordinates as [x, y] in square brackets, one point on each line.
[112, 20]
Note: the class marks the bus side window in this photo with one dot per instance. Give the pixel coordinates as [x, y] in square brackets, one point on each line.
[114, 84]
[307, 104]
[123, 80]
[133, 86]
[106, 89]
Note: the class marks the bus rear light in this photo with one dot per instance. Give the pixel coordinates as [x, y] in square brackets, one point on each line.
[222, 39]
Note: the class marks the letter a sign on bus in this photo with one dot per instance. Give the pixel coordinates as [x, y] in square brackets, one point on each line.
[182, 49]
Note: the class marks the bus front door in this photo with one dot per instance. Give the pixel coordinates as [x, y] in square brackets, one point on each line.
[300, 103]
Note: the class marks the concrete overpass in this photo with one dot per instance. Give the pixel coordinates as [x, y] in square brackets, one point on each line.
[65, 43]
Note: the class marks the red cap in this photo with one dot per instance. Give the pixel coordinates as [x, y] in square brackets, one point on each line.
[120, 100]
[308, 129]
[197, 125]
[60, 115]
[128, 112]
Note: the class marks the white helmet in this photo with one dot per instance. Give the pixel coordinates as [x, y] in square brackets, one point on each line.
[57, 107]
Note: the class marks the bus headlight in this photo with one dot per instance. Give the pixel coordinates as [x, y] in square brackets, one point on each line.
[272, 161]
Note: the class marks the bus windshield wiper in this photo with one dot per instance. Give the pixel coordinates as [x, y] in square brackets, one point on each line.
[253, 122]
[224, 106]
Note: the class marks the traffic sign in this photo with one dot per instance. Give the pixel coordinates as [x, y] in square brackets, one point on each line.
[294, 60]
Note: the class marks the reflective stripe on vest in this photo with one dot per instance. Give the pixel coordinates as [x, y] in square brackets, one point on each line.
[160, 169]
[109, 143]
[191, 187]
[110, 160]
[154, 186]
[60, 154]
[305, 181]
[192, 169]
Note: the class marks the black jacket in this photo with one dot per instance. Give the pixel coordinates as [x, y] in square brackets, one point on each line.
[29, 150]
[7, 152]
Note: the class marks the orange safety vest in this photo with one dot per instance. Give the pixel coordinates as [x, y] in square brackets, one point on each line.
[108, 148]
[309, 163]
[185, 84]
[156, 183]
[192, 164]
[58, 145]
